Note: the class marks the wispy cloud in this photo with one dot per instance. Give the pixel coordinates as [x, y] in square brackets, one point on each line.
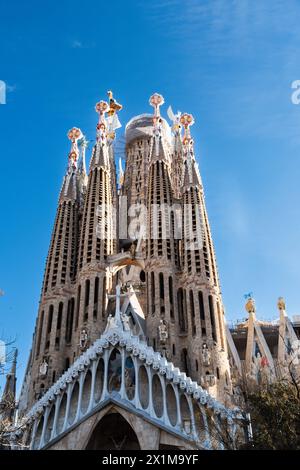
[11, 88]
[223, 22]
[255, 44]
[78, 44]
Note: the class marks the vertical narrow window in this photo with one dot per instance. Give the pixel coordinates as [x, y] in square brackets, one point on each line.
[103, 297]
[50, 318]
[181, 311]
[70, 317]
[59, 315]
[96, 291]
[67, 363]
[153, 293]
[87, 293]
[96, 297]
[185, 361]
[78, 305]
[201, 305]
[58, 324]
[202, 313]
[220, 321]
[38, 347]
[185, 309]
[212, 317]
[192, 312]
[171, 297]
[161, 286]
[86, 299]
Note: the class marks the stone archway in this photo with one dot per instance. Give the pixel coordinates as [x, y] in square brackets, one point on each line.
[113, 432]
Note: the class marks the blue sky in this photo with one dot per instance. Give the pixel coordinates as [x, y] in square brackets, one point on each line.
[229, 63]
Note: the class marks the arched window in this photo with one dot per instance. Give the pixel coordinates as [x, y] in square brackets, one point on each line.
[67, 363]
[185, 361]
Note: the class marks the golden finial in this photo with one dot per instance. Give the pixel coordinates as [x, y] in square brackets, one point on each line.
[187, 120]
[101, 108]
[281, 303]
[250, 304]
[156, 100]
[114, 106]
[74, 135]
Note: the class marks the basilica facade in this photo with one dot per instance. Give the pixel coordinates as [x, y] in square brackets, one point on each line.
[131, 349]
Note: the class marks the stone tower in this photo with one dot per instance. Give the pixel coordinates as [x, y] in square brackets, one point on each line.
[50, 354]
[151, 236]
[98, 236]
[183, 305]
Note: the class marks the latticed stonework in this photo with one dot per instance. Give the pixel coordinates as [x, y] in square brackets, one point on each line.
[149, 237]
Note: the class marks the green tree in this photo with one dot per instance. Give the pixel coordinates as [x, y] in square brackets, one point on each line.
[275, 416]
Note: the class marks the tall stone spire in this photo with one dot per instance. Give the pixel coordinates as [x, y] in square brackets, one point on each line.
[177, 173]
[202, 302]
[55, 322]
[158, 147]
[82, 174]
[8, 400]
[191, 171]
[98, 230]
[162, 249]
[64, 238]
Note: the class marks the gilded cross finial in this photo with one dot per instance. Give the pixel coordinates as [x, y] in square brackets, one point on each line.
[74, 135]
[156, 100]
[112, 116]
[101, 108]
[250, 304]
[187, 120]
[114, 106]
[281, 303]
